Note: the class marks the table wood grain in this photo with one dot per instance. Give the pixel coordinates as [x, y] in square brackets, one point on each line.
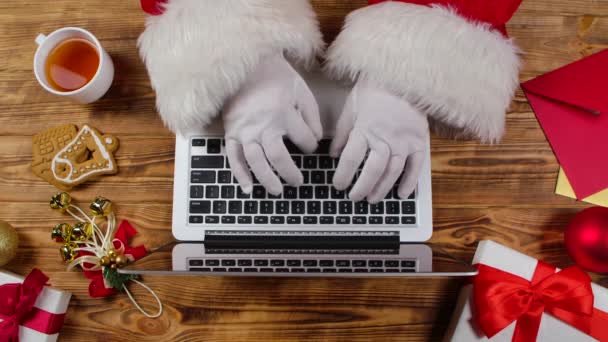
[502, 192]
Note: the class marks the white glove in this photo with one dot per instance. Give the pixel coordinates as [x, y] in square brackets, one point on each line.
[274, 102]
[394, 132]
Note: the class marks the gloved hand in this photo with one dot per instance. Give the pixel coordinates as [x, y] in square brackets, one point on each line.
[392, 130]
[274, 102]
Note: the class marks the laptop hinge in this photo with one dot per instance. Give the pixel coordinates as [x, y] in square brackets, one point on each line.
[308, 241]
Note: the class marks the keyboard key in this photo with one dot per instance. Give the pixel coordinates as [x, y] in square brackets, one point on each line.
[271, 196]
[291, 147]
[392, 208]
[346, 207]
[212, 219]
[408, 220]
[294, 220]
[407, 270]
[227, 191]
[200, 269]
[197, 191]
[244, 220]
[277, 220]
[392, 270]
[306, 175]
[202, 177]
[212, 191]
[240, 194]
[408, 263]
[391, 263]
[235, 269]
[408, 208]
[297, 270]
[219, 269]
[310, 162]
[219, 207]
[361, 270]
[297, 160]
[200, 207]
[228, 219]
[327, 220]
[261, 220]
[260, 262]
[345, 270]
[325, 162]
[391, 220]
[377, 209]
[310, 220]
[266, 270]
[298, 207]
[212, 262]
[323, 147]
[326, 263]
[359, 220]
[329, 270]
[330, 177]
[306, 192]
[317, 177]
[266, 207]
[224, 177]
[207, 162]
[375, 220]
[235, 207]
[214, 146]
[251, 207]
[196, 219]
[250, 270]
[195, 262]
[313, 270]
[282, 207]
[258, 192]
[362, 208]
[329, 208]
[289, 192]
[412, 196]
[337, 194]
[294, 263]
[322, 192]
[198, 142]
[313, 207]
[343, 220]
[359, 263]
[228, 262]
[343, 263]
[310, 263]
[282, 270]
[277, 263]
[244, 262]
[375, 263]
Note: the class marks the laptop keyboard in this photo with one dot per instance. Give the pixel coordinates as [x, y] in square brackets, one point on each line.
[296, 265]
[216, 198]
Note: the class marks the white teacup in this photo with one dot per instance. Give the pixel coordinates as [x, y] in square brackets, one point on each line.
[96, 87]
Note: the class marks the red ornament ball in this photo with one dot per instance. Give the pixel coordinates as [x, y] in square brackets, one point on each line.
[586, 239]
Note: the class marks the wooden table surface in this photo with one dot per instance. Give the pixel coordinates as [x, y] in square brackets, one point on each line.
[502, 192]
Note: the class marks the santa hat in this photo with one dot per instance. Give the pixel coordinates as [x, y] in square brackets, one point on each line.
[199, 52]
[451, 58]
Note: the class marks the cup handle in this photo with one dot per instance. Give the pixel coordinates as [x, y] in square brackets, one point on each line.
[40, 38]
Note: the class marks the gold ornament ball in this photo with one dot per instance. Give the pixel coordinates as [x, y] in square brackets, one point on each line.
[113, 266]
[9, 240]
[112, 252]
[121, 260]
[112, 259]
[104, 261]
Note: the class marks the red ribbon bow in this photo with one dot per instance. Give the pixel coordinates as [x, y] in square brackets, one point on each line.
[502, 298]
[125, 231]
[17, 308]
[153, 7]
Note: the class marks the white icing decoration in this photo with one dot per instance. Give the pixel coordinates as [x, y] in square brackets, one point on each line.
[59, 159]
[108, 141]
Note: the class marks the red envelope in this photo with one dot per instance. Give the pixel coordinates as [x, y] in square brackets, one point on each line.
[571, 104]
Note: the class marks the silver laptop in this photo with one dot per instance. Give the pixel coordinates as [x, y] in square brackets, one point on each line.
[311, 230]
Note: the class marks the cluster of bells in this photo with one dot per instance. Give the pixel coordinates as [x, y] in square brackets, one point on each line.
[82, 231]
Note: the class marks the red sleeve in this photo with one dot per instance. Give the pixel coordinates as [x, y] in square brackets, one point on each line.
[495, 13]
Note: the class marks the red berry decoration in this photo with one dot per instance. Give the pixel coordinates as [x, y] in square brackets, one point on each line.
[586, 239]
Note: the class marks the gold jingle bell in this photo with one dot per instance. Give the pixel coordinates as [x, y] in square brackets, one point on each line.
[104, 261]
[68, 251]
[121, 260]
[101, 206]
[82, 231]
[112, 253]
[61, 232]
[61, 201]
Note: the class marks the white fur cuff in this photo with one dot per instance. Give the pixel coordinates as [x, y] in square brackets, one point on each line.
[461, 73]
[199, 52]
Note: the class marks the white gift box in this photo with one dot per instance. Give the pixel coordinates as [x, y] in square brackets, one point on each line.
[51, 300]
[464, 328]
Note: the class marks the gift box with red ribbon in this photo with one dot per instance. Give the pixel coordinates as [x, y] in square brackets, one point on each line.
[518, 298]
[29, 310]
